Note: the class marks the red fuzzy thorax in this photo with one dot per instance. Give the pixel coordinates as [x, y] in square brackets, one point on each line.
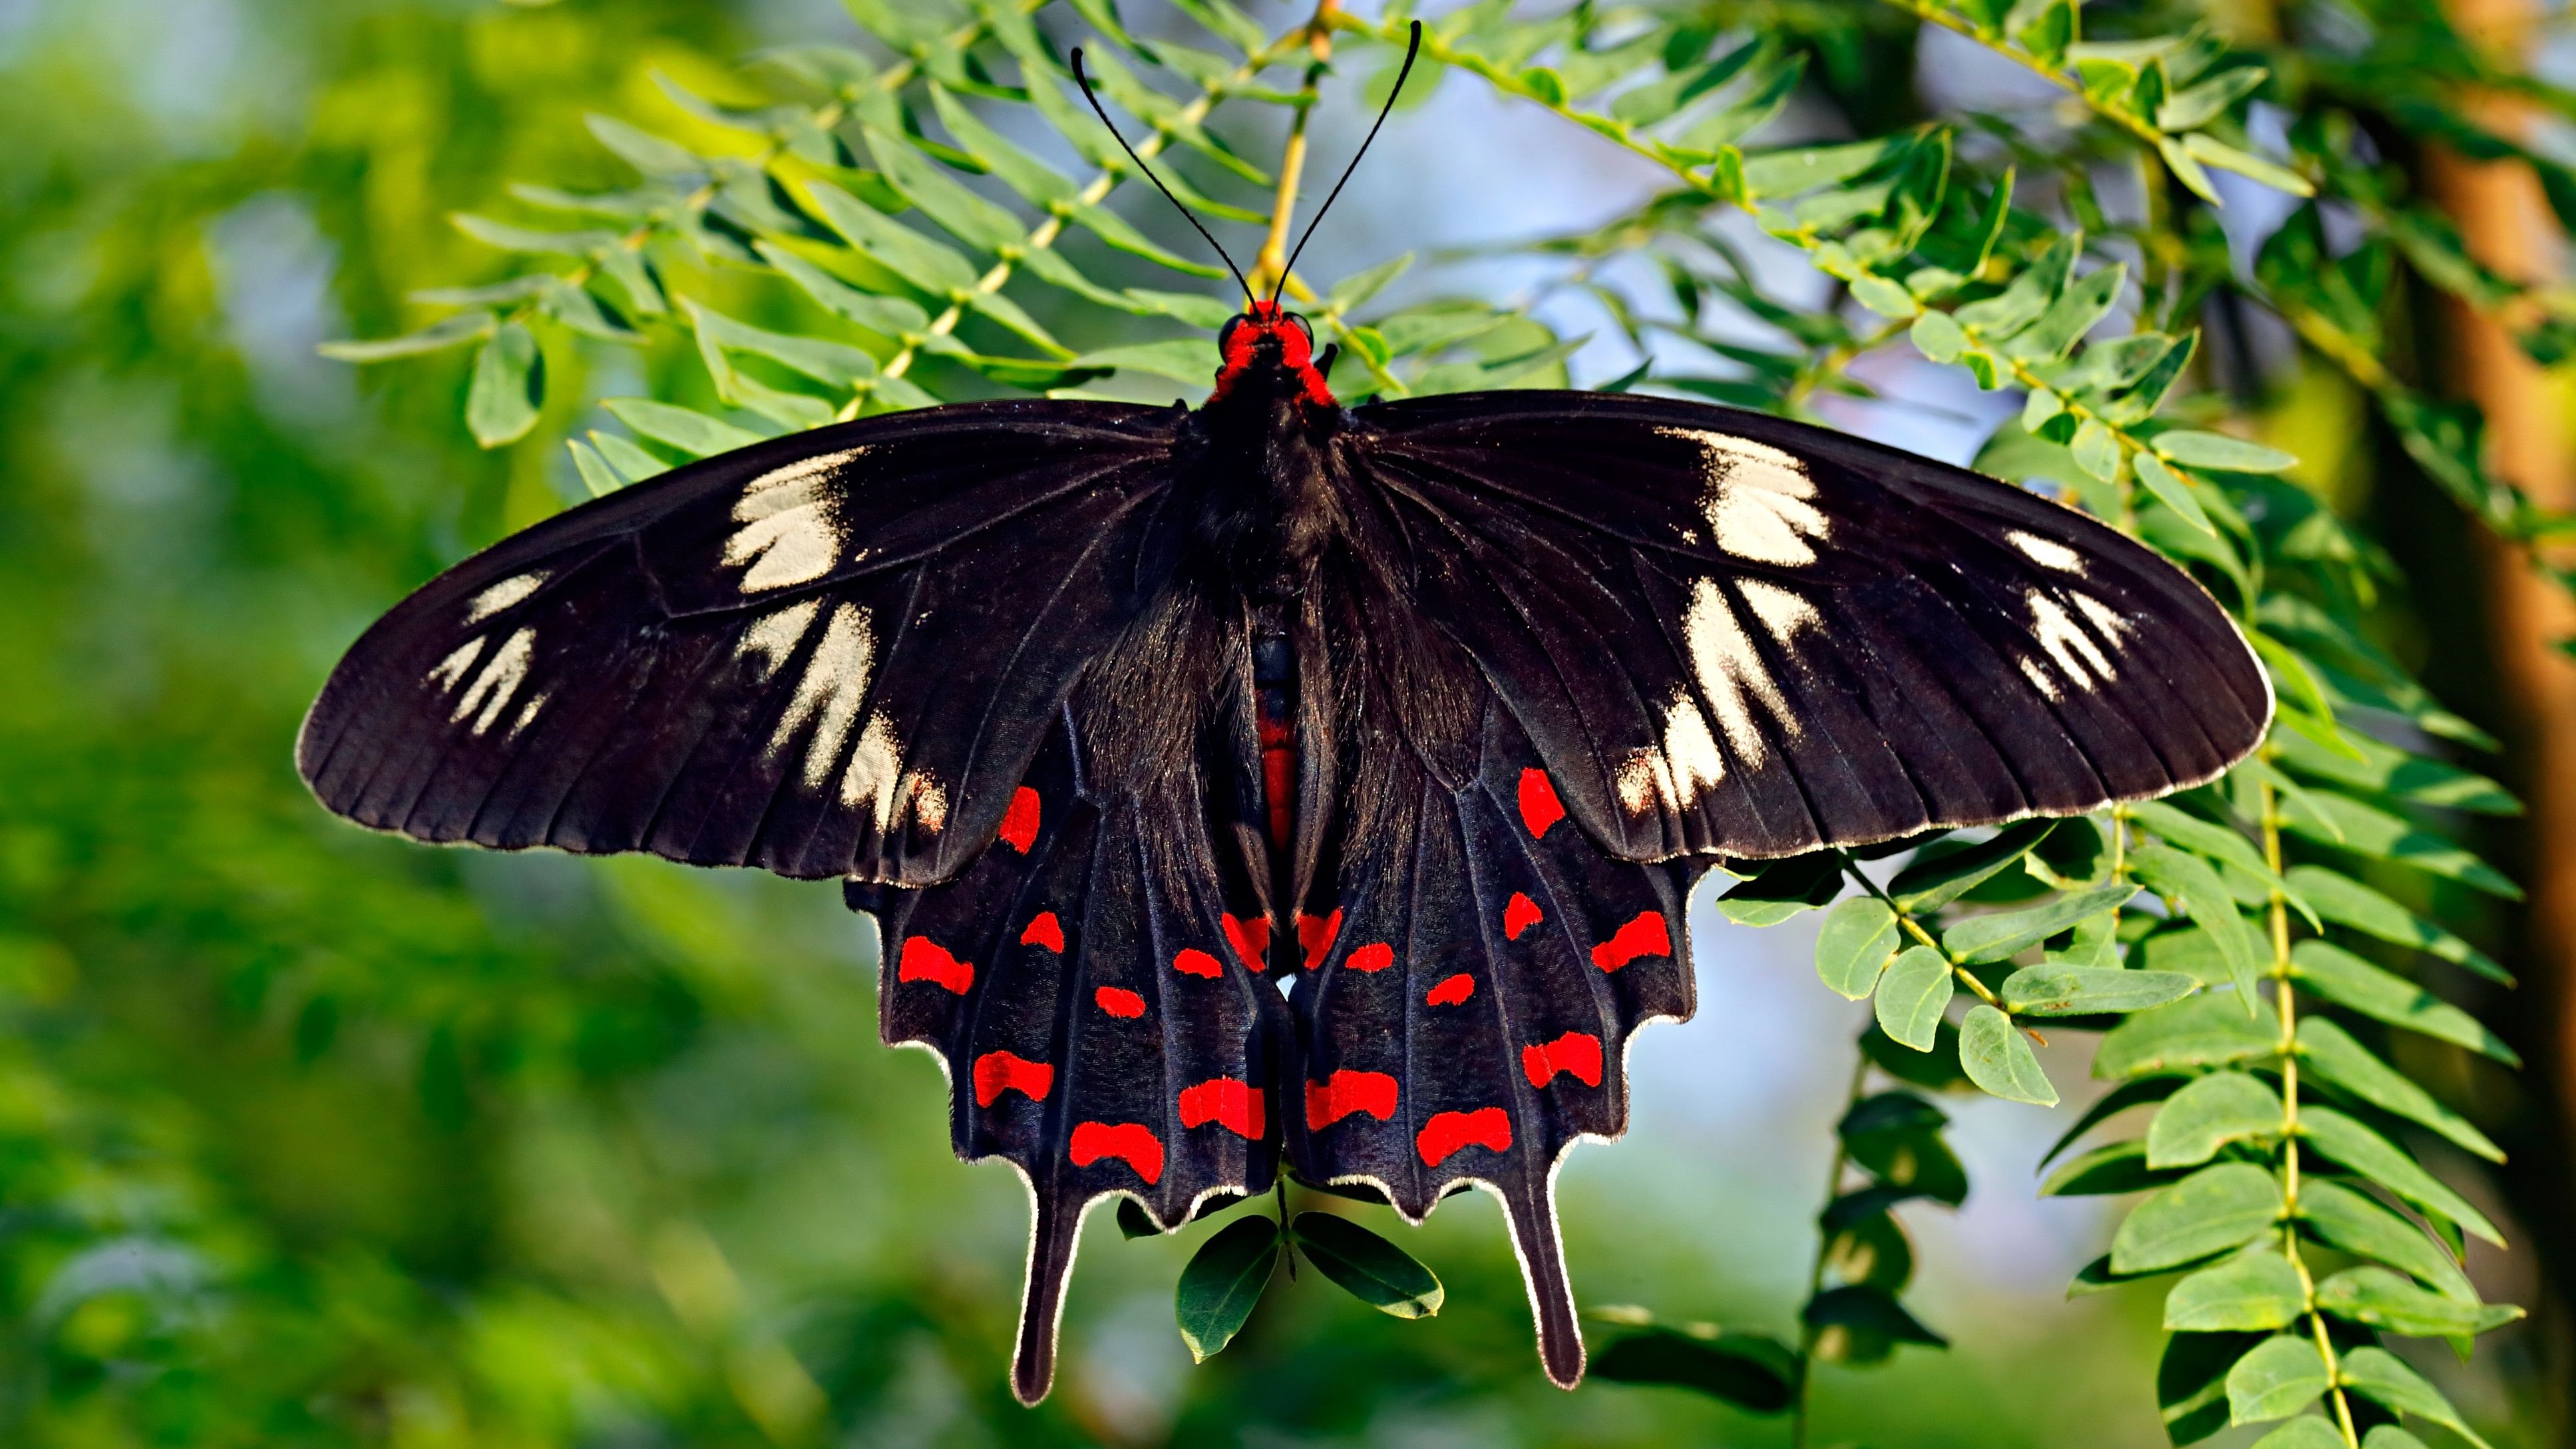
[1239, 346]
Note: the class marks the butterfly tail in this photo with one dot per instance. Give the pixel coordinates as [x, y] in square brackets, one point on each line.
[1541, 1250]
[1055, 1231]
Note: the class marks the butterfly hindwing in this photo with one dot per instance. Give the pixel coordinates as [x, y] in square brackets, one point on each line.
[827, 655]
[1733, 634]
[1470, 993]
[1102, 1031]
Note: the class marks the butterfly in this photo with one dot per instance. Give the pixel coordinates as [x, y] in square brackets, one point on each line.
[1121, 719]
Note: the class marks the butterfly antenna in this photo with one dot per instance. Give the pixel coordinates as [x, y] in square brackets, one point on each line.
[1085, 82]
[1410, 51]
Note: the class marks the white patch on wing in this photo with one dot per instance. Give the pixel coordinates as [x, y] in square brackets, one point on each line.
[1731, 672]
[1781, 612]
[876, 768]
[1691, 756]
[774, 636]
[2037, 674]
[2066, 642]
[1757, 499]
[527, 715]
[453, 667]
[929, 803]
[2048, 553]
[2105, 619]
[829, 693]
[500, 678]
[502, 595]
[790, 533]
[1643, 779]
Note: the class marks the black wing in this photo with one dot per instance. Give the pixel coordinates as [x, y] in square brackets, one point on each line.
[832, 654]
[1092, 998]
[1731, 634]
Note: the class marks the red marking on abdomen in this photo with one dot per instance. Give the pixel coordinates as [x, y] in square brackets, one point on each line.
[1345, 1092]
[1315, 935]
[1446, 1132]
[1194, 962]
[1020, 822]
[1250, 940]
[1375, 956]
[1279, 780]
[999, 1072]
[1228, 1103]
[1644, 936]
[1577, 1052]
[1044, 930]
[1120, 1002]
[1539, 806]
[926, 960]
[1451, 992]
[1519, 914]
[1130, 1142]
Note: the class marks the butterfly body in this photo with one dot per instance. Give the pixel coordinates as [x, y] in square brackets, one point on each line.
[1116, 717]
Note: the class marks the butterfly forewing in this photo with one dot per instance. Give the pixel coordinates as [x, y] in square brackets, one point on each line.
[830, 655]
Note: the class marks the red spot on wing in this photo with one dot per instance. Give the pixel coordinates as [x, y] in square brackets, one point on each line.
[1250, 940]
[1044, 930]
[1539, 806]
[1519, 914]
[1020, 822]
[1446, 1132]
[1120, 1002]
[1194, 962]
[1345, 1092]
[1228, 1103]
[1315, 935]
[1644, 936]
[1375, 956]
[926, 960]
[1452, 991]
[1130, 1142]
[1576, 1052]
[999, 1072]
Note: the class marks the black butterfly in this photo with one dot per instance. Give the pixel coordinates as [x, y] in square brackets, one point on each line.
[1118, 716]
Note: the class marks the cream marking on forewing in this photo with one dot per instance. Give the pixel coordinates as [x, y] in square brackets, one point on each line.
[527, 715]
[2113, 625]
[1781, 612]
[453, 667]
[1731, 672]
[502, 595]
[2066, 641]
[1691, 757]
[2037, 674]
[929, 802]
[789, 533]
[829, 693]
[1756, 503]
[1644, 778]
[2048, 553]
[774, 636]
[876, 769]
[500, 678]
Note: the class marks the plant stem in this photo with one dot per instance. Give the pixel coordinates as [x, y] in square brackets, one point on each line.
[1798, 1411]
[1915, 928]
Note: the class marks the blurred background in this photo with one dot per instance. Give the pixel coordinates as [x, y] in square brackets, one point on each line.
[309, 1137]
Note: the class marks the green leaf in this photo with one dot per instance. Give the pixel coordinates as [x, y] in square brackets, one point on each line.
[1783, 889]
[2110, 1104]
[1896, 1137]
[2049, 989]
[2191, 1381]
[2209, 151]
[646, 152]
[2113, 1169]
[1032, 179]
[2174, 491]
[2189, 883]
[631, 461]
[2389, 1436]
[931, 266]
[2306, 1432]
[1995, 937]
[2383, 1378]
[438, 336]
[2338, 1060]
[596, 475]
[1368, 1267]
[1936, 1069]
[2027, 295]
[1858, 937]
[2072, 315]
[2347, 902]
[1872, 1250]
[693, 433]
[2340, 820]
[509, 387]
[835, 363]
[960, 212]
[2211, 1211]
[1809, 168]
[2255, 1290]
[2217, 450]
[2207, 101]
[1941, 873]
[1223, 1281]
[1752, 1372]
[2383, 768]
[1184, 359]
[2375, 1157]
[526, 239]
[893, 316]
[2279, 1378]
[1354, 291]
[1937, 336]
[2207, 1030]
[2358, 1223]
[2210, 1113]
[2351, 982]
[1869, 1310]
[1999, 1059]
[2386, 1300]
[1912, 997]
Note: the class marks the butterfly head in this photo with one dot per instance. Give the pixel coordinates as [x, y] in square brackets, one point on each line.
[1269, 343]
